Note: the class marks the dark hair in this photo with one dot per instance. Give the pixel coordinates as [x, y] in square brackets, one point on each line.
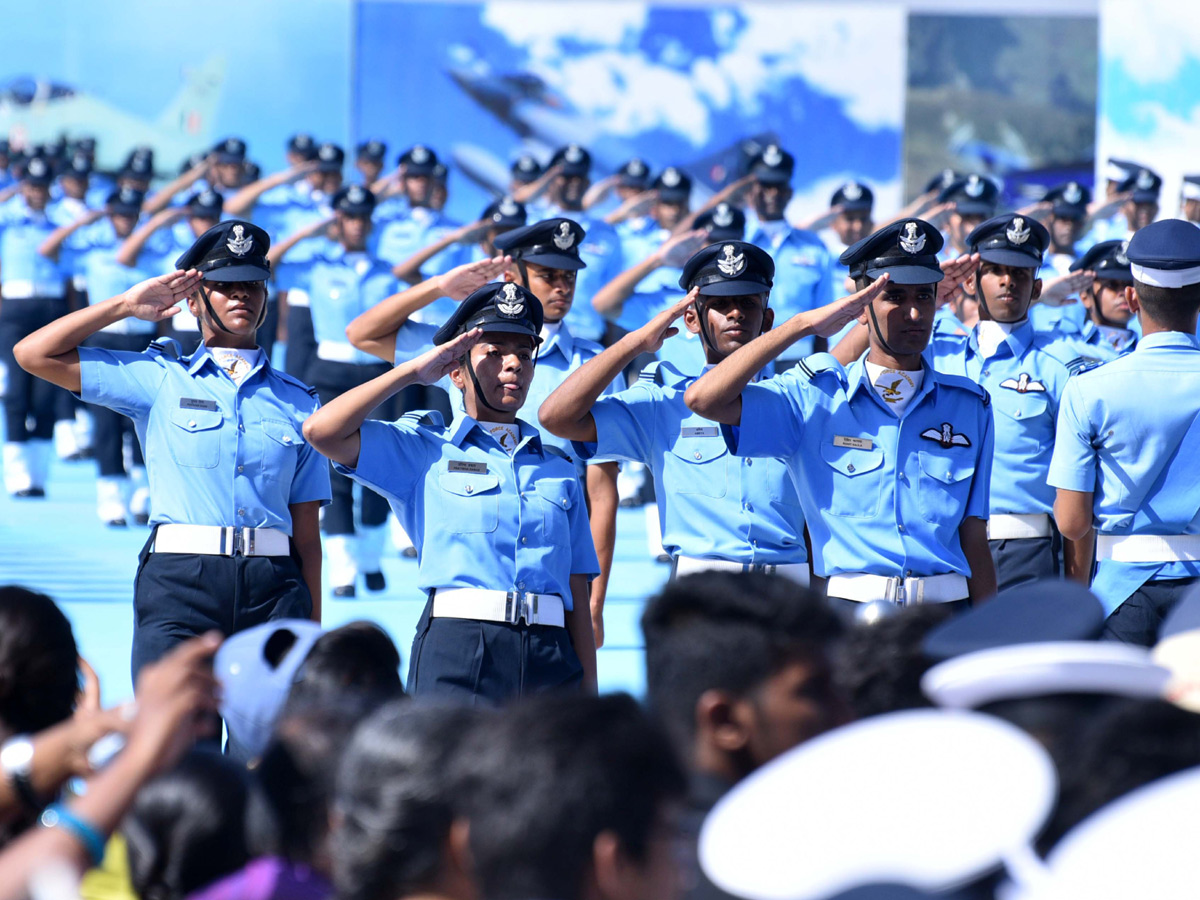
[39, 675]
[729, 632]
[296, 775]
[1173, 308]
[395, 801]
[356, 658]
[547, 777]
[187, 827]
[879, 665]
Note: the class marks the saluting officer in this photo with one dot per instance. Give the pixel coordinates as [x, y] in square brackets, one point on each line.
[716, 511]
[410, 222]
[1024, 371]
[1106, 333]
[1128, 436]
[895, 492]
[235, 490]
[498, 517]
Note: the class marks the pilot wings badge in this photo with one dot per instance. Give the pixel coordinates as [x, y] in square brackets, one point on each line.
[239, 244]
[510, 303]
[1018, 232]
[1023, 385]
[564, 239]
[731, 265]
[912, 240]
[946, 436]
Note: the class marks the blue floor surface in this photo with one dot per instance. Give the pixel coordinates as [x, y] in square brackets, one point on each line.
[59, 546]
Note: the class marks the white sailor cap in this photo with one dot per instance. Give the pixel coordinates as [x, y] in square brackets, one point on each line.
[1037, 670]
[929, 798]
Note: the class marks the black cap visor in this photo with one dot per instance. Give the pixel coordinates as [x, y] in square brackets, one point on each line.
[674, 195]
[488, 322]
[767, 175]
[1008, 257]
[241, 271]
[733, 288]
[903, 271]
[975, 208]
[862, 205]
[551, 259]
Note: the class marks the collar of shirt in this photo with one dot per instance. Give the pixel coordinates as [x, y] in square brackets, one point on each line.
[775, 230]
[988, 337]
[859, 379]
[1116, 337]
[204, 354]
[463, 425]
[549, 334]
[1173, 339]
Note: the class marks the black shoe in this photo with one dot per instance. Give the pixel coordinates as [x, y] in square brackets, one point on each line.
[35, 493]
[344, 590]
[663, 558]
[631, 502]
[375, 581]
[77, 456]
[141, 519]
[409, 552]
[117, 523]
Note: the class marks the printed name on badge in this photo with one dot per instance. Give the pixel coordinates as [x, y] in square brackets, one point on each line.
[471, 468]
[191, 403]
[700, 431]
[853, 442]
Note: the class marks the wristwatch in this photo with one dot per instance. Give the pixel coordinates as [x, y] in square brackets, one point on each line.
[16, 763]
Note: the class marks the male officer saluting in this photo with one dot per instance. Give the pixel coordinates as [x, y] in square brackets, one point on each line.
[895, 493]
[1025, 372]
[716, 511]
[1106, 333]
[1128, 435]
[235, 490]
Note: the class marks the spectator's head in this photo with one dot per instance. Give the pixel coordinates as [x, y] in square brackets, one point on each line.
[738, 668]
[38, 662]
[573, 797]
[187, 827]
[399, 826]
[357, 658]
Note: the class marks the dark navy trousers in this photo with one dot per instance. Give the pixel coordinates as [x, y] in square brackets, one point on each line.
[1026, 559]
[1138, 619]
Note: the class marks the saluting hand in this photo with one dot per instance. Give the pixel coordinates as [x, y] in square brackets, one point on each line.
[682, 247]
[157, 298]
[658, 329]
[955, 272]
[828, 320]
[462, 280]
[1056, 290]
[433, 365]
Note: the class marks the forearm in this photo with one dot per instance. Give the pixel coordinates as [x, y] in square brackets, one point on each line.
[383, 320]
[132, 248]
[567, 412]
[982, 582]
[1078, 557]
[603, 501]
[159, 201]
[306, 536]
[52, 245]
[51, 352]
[579, 626]
[610, 299]
[244, 200]
[410, 269]
[333, 429]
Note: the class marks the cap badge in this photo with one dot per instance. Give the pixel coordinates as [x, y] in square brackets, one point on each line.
[508, 207]
[670, 178]
[526, 163]
[1121, 258]
[355, 194]
[231, 146]
[913, 239]
[573, 154]
[637, 168]
[1145, 181]
[852, 191]
[36, 168]
[772, 156]
[127, 195]
[722, 215]
[1018, 232]
[974, 186]
[731, 265]
[1072, 194]
[510, 303]
[239, 244]
[327, 152]
[419, 155]
[564, 239]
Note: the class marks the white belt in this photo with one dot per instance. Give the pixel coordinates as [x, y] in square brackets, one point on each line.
[1148, 547]
[499, 606]
[297, 297]
[22, 289]
[215, 540]
[337, 351]
[903, 591]
[688, 565]
[1018, 527]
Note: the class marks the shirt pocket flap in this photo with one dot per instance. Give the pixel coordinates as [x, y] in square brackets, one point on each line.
[466, 484]
[555, 491]
[700, 449]
[282, 432]
[1016, 405]
[851, 460]
[945, 469]
[194, 420]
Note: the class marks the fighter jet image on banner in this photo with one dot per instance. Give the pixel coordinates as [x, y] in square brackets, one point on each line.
[36, 111]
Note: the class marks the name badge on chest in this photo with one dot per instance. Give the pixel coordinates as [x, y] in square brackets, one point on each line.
[699, 431]
[855, 443]
[471, 468]
[192, 403]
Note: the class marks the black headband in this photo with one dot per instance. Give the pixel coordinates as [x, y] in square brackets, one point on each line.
[209, 265]
[705, 280]
[927, 261]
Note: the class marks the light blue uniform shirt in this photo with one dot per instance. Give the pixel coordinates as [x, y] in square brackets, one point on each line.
[24, 272]
[601, 250]
[399, 238]
[1025, 379]
[1065, 319]
[478, 517]
[342, 286]
[803, 276]
[1128, 433]
[217, 453]
[286, 209]
[91, 253]
[712, 505]
[881, 495]
[639, 237]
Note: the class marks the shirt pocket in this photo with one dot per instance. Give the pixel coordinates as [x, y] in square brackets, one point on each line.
[856, 484]
[556, 500]
[281, 449]
[945, 486]
[470, 503]
[698, 465]
[196, 437]
[1025, 422]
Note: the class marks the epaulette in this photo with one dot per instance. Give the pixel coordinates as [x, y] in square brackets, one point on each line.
[556, 451]
[293, 380]
[430, 418]
[592, 347]
[812, 366]
[661, 373]
[966, 384]
[167, 347]
[1081, 364]
[1060, 346]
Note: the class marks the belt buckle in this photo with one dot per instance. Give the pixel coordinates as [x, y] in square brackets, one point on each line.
[895, 592]
[512, 607]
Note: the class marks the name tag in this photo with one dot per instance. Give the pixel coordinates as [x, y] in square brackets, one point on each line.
[700, 431]
[471, 468]
[853, 442]
[190, 403]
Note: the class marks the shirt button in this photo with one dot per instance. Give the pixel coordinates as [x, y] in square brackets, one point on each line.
[749, 461]
[241, 427]
[698, 455]
[241, 469]
[850, 468]
[287, 439]
[900, 528]
[241, 512]
[524, 540]
[521, 585]
[192, 423]
[749, 507]
[470, 489]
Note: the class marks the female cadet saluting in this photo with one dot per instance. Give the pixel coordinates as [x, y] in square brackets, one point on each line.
[498, 517]
[234, 489]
